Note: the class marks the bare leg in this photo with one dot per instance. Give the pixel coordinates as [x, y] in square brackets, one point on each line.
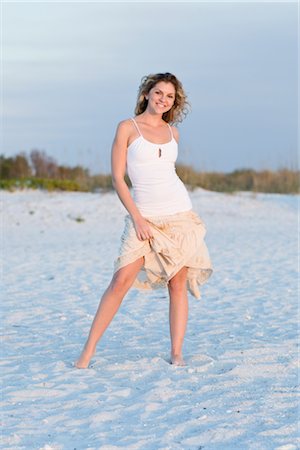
[178, 315]
[108, 306]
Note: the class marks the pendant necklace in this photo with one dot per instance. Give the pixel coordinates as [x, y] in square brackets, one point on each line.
[159, 152]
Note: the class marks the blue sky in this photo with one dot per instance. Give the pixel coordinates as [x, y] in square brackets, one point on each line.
[71, 72]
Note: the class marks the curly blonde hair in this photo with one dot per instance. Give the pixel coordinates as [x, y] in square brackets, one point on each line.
[180, 107]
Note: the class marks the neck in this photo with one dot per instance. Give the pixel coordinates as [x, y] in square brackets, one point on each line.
[154, 120]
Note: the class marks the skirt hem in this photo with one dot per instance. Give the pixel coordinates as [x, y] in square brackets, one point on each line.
[178, 241]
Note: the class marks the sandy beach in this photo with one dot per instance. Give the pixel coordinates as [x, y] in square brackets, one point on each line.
[239, 388]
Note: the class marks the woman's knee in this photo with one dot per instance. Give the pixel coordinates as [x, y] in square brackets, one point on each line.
[177, 284]
[123, 279]
[177, 289]
[120, 283]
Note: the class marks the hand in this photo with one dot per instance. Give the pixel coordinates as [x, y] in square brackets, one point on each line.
[142, 229]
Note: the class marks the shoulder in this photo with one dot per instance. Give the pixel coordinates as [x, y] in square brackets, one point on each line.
[175, 133]
[124, 130]
[124, 126]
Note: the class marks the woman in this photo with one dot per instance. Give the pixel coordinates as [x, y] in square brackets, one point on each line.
[162, 243]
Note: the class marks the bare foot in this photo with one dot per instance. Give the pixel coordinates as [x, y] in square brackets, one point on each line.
[177, 360]
[84, 360]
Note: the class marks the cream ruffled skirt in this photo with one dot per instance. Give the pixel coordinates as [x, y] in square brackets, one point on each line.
[178, 241]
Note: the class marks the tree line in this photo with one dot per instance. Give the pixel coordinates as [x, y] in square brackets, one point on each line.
[38, 164]
[40, 171]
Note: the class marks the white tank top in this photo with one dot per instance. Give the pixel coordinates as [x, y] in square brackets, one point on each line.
[157, 189]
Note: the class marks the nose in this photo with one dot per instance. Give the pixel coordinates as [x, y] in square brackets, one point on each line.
[163, 98]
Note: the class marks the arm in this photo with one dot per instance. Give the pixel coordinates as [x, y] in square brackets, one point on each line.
[118, 166]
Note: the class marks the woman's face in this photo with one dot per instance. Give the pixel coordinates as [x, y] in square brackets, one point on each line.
[161, 97]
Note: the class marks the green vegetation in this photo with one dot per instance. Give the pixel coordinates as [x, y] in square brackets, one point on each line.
[40, 183]
[39, 171]
[283, 181]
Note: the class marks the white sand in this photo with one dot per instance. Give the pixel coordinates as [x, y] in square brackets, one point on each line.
[239, 389]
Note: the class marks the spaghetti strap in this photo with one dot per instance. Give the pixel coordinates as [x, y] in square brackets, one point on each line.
[136, 126]
[170, 131]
